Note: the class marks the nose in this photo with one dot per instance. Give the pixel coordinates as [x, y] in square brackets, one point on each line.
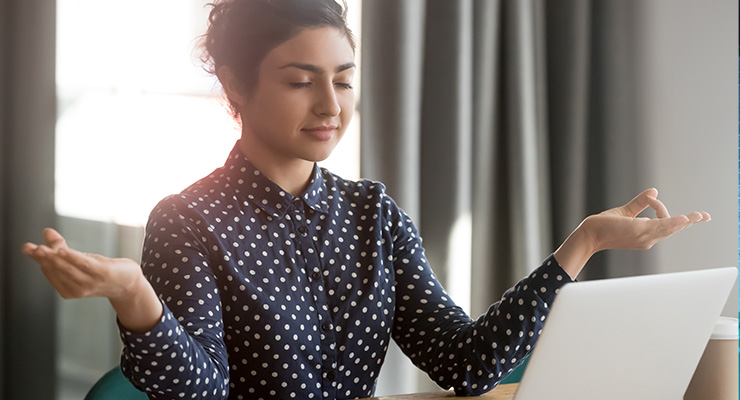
[327, 103]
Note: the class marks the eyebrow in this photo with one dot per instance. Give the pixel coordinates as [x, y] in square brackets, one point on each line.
[316, 69]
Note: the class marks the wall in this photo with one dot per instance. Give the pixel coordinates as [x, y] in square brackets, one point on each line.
[687, 86]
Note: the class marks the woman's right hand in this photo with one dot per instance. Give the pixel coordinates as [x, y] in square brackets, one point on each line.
[75, 274]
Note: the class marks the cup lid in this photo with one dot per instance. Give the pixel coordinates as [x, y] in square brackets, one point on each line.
[726, 328]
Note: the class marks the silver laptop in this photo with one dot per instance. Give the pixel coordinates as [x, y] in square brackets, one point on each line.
[626, 338]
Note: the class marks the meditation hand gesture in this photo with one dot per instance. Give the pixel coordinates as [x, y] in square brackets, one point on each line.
[76, 275]
[620, 228]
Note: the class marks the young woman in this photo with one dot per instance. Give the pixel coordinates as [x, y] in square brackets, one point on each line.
[274, 278]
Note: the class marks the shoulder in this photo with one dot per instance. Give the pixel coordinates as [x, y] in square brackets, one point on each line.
[367, 194]
[359, 190]
[192, 203]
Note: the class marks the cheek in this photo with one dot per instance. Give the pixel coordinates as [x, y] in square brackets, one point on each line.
[348, 106]
[281, 110]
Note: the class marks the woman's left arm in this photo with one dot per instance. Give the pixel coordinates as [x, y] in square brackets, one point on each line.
[471, 356]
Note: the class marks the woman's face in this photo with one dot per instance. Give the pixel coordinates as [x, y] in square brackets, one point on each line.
[303, 100]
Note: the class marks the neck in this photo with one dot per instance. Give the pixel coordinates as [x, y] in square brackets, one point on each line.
[292, 175]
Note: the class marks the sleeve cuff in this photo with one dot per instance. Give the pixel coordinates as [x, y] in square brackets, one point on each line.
[167, 327]
[547, 280]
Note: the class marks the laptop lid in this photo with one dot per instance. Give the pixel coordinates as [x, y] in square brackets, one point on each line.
[626, 338]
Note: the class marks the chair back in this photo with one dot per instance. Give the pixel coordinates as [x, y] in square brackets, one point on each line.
[114, 386]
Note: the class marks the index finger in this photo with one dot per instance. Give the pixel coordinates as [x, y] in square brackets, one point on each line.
[639, 203]
[660, 209]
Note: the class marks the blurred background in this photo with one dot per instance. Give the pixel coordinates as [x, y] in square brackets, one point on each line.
[497, 125]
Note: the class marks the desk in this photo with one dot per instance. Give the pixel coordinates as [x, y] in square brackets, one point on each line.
[500, 392]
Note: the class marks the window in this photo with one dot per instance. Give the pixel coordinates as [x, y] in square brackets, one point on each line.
[136, 108]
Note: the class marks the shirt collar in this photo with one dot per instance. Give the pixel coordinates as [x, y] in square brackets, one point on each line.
[269, 196]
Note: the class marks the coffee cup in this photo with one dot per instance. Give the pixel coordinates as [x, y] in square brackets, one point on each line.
[716, 376]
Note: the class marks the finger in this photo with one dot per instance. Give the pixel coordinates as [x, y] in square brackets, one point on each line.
[639, 203]
[28, 248]
[660, 209]
[695, 217]
[40, 253]
[669, 226]
[53, 239]
[706, 216]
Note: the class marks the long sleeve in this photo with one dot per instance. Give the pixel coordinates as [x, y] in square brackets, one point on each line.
[471, 356]
[184, 355]
[272, 296]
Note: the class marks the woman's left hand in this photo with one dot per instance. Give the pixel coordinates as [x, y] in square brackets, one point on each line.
[620, 228]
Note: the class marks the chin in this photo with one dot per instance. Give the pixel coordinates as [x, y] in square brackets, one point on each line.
[318, 155]
[317, 158]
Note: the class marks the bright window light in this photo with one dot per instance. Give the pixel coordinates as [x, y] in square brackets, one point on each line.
[139, 119]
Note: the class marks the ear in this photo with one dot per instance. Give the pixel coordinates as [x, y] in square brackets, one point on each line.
[232, 86]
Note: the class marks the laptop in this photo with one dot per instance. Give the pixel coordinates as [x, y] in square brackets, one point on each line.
[626, 338]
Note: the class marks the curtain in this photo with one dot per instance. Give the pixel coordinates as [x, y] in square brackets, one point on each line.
[489, 122]
[27, 118]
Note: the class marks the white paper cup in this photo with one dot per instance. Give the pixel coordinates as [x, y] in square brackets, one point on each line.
[716, 376]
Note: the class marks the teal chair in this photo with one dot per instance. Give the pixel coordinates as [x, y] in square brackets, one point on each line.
[114, 386]
[516, 375]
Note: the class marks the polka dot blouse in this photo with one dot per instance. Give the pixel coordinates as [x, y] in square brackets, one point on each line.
[271, 296]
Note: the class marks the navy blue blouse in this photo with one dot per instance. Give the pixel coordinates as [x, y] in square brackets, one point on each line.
[272, 296]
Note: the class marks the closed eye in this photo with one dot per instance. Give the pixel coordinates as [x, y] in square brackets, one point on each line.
[344, 85]
[299, 85]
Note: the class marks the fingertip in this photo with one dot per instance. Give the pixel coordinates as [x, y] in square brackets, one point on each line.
[28, 248]
[53, 239]
[51, 232]
[695, 217]
[706, 216]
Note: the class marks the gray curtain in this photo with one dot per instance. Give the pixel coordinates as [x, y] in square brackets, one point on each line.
[491, 120]
[27, 118]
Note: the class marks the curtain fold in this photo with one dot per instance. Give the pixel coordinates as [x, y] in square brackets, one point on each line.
[489, 122]
[27, 119]
[393, 111]
[524, 127]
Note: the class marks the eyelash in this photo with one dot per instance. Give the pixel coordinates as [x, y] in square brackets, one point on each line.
[300, 85]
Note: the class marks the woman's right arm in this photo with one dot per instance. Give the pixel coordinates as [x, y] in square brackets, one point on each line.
[171, 347]
[78, 275]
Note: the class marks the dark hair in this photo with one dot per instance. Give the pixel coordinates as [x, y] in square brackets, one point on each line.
[241, 32]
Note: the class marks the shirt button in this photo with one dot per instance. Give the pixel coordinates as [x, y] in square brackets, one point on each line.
[330, 375]
[303, 230]
[326, 326]
[315, 275]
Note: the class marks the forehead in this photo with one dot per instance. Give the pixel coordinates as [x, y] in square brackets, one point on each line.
[324, 47]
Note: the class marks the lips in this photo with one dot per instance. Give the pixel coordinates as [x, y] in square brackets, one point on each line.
[322, 132]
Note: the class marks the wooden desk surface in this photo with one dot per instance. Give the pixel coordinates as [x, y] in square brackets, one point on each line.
[500, 392]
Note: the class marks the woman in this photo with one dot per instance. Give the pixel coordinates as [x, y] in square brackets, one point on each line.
[273, 278]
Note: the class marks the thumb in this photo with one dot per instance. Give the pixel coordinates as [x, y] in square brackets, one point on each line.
[53, 239]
